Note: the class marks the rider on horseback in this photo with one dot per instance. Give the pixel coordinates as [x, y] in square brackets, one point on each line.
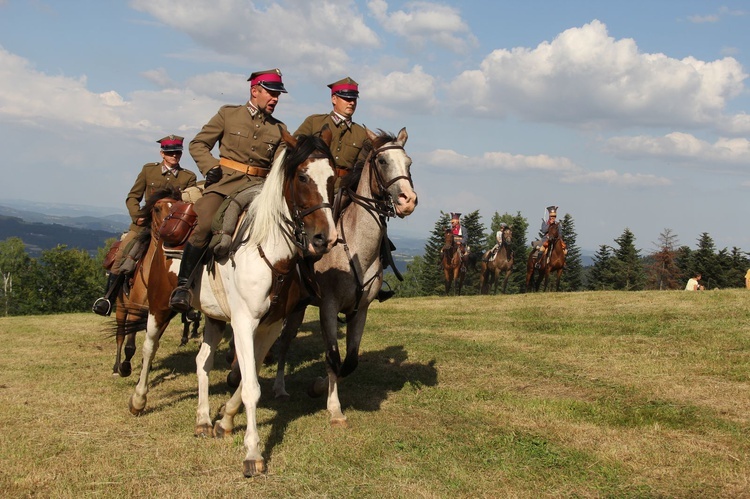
[499, 238]
[539, 248]
[153, 177]
[457, 238]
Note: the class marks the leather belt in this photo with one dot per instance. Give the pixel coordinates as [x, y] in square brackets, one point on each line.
[242, 167]
[341, 172]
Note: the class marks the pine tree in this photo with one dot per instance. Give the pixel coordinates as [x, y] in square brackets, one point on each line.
[629, 272]
[602, 275]
[735, 275]
[474, 239]
[572, 276]
[663, 272]
[706, 262]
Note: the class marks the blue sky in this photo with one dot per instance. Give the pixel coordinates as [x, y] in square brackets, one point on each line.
[624, 114]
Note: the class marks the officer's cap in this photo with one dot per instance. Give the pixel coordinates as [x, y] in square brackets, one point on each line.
[455, 216]
[171, 143]
[552, 211]
[269, 79]
[346, 88]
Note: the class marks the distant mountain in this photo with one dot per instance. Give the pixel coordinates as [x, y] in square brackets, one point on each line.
[43, 236]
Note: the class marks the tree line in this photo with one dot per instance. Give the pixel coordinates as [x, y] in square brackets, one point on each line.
[64, 279]
[619, 266]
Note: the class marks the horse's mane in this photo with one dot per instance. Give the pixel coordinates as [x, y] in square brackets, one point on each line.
[269, 208]
[170, 192]
[351, 179]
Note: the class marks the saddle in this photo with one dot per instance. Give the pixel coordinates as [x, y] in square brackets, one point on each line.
[177, 226]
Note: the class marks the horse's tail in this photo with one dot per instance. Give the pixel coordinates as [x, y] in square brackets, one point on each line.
[136, 320]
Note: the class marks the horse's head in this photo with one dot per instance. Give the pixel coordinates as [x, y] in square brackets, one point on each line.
[391, 172]
[553, 232]
[308, 191]
[157, 207]
[508, 235]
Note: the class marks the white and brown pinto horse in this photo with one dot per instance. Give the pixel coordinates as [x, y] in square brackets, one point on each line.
[349, 276]
[291, 216]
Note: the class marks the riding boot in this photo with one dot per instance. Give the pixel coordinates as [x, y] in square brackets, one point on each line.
[182, 296]
[103, 306]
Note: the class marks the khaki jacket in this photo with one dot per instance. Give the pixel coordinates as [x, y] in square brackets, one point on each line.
[150, 180]
[242, 137]
[347, 141]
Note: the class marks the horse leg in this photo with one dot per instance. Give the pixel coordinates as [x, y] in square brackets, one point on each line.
[185, 331]
[154, 330]
[557, 283]
[288, 333]
[120, 339]
[126, 366]
[245, 330]
[204, 362]
[505, 281]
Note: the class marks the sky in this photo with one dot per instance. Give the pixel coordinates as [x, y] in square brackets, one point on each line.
[624, 114]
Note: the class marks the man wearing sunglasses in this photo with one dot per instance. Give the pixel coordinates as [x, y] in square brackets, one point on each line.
[153, 177]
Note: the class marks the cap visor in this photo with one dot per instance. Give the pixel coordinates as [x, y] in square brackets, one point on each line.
[273, 86]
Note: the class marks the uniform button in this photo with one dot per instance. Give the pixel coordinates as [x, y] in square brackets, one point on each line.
[252, 148]
[257, 125]
[255, 136]
[252, 161]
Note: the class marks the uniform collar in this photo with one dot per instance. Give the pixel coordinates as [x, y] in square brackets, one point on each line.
[338, 119]
[165, 169]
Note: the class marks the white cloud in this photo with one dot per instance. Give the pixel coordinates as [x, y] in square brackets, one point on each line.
[678, 146]
[450, 160]
[711, 18]
[422, 23]
[398, 92]
[611, 177]
[587, 78]
[307, 36]
[33, 98]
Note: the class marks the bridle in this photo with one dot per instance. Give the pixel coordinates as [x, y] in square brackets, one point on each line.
[381, 203]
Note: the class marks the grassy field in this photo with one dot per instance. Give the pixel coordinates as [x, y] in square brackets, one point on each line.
[614, 394]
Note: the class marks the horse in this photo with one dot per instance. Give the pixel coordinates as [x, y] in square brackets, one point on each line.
[251, 288]
[493, 265]
[453, 263]
[552, 261]
[348, 278]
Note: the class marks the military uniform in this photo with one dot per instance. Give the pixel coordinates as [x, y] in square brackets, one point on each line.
[153, 177]
[347, 140]
[249, 140]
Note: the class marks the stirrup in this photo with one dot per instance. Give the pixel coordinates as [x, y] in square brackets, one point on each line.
[102, 306]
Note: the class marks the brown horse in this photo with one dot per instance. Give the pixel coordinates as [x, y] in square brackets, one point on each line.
[291, 216]
[349, 276]
[453, 263]
[132, 299]
[493, 265]
[552, 262]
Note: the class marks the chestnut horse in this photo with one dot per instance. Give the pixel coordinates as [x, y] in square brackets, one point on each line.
[552, 262]
[349, 276]
[493, 265]
[453, 264]
[290, 216]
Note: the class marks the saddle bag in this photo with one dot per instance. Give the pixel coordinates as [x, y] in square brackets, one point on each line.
[176, 228]
[109, 258]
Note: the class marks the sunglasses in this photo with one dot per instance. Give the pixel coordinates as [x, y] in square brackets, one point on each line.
[172, 153]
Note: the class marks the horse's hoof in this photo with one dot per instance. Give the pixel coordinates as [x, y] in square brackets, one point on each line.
[253, 468]
[133, 409]
[125, 369]
[204, 430]
[183, 342]
[339, 423]
[318, 388]
[283, 397]
[220, 432]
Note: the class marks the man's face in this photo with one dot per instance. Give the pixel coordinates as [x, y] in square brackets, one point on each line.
[263, 99]
[171, 158]
[344, 106]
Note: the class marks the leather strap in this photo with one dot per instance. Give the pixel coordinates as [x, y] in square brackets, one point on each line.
[242, 167]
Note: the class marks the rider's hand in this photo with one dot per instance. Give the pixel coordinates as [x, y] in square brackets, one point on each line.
[212, 176]
[140, 221]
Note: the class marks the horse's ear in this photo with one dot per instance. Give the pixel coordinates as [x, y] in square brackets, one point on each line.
[402, 136]
[371, 135]
[287, 137]
[326, 134]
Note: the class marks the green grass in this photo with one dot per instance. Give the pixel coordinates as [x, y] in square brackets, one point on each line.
[609, 394]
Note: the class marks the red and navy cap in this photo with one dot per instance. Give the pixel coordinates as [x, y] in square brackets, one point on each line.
[346, 88]
[269, 79]
[171, 143]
